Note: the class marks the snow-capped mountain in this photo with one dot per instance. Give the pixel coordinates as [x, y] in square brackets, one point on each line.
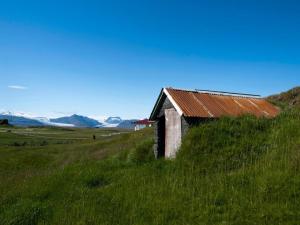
[127, 124]
[113, 120]
[118, 123]
[19, 119]
[48, 122]
[77, 121]
[26, 119]
[20, 114]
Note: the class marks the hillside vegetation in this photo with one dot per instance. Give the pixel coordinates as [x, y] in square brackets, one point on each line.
[231, 171]
[287, 99]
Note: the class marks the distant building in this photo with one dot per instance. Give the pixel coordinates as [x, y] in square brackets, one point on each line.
[177, 110]
[4, 122]
[141, 124]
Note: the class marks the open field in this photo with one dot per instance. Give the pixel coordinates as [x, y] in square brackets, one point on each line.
[32, 157]
[230, 171]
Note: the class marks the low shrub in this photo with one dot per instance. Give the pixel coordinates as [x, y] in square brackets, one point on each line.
[19, 144]
[26, 212]
[44, 143]
[142, 153]
[96, 182]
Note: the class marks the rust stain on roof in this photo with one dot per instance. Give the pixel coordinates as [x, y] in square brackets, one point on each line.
[212, 105]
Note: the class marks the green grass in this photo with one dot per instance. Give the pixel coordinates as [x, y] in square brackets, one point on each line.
[230, 171]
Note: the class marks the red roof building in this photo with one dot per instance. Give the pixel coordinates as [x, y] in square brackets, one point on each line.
[141, 124]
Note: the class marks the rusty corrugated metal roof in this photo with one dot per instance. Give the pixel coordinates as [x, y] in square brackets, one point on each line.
[212, 105]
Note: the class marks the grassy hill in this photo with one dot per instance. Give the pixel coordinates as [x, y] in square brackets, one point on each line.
[287, 99]
[230, 171]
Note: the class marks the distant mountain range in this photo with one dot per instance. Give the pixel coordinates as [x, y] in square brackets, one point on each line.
[113, 120]
[127, 124]
[118, 123]
[77, 121]
[21, 119]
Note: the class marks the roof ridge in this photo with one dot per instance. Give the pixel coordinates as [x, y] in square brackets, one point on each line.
[192, 103]
[218, 93]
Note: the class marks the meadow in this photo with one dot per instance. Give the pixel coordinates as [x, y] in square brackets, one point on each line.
[230, 171]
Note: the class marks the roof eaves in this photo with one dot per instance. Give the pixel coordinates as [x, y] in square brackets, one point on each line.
[156, 104]
[176, 106]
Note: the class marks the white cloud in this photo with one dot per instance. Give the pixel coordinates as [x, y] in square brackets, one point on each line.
[17, 87]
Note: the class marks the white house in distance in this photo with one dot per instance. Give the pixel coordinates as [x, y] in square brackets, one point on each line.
[141, 124]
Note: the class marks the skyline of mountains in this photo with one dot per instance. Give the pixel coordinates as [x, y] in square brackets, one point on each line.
[22, 119]
[77, 121]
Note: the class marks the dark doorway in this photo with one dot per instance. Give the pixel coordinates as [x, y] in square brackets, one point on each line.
[161, 131]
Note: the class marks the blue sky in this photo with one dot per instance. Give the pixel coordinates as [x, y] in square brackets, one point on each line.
[106, 58]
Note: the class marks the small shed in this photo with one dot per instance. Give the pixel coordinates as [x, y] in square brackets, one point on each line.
[177, 110]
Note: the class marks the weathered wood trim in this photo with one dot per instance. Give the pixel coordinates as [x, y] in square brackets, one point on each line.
[178, 109]
[152, 117]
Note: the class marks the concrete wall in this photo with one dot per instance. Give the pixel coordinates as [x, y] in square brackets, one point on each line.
[173, 133]
[184, 126]
[159, 127]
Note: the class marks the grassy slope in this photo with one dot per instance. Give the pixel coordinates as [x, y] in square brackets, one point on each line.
[232, 171]
[287, 99]
[40, 169]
